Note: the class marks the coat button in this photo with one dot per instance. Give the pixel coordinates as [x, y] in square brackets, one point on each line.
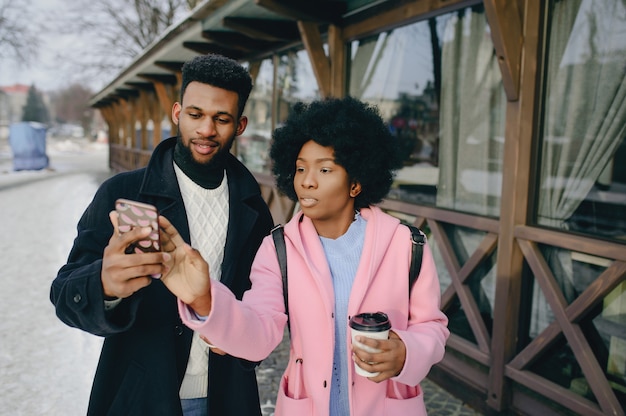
[77, 298]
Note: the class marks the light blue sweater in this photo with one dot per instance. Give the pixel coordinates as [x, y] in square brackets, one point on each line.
[343, 256]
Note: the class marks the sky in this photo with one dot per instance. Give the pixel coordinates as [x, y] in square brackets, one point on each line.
[41, 71]
[48, 18]
[45, 70]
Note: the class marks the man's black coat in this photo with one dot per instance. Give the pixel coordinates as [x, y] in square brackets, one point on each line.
[146, 346]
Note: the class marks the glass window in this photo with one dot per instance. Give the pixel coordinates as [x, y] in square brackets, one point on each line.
[481, 282]
[290, 80]
[604, 327]
[438, 85]
[295, 82]
[582, 185]
[582, 179]
[253, 144]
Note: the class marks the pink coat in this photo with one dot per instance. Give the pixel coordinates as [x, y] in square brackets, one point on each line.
[251, 329]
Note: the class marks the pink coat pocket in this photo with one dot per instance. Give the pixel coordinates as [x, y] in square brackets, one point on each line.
[286, 405]
[413, 406]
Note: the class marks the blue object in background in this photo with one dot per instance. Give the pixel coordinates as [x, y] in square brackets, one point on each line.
[28, 143]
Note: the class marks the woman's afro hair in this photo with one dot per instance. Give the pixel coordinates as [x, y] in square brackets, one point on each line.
[360, 139]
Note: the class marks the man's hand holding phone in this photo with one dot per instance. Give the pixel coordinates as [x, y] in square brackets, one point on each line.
[133, 214]
[124, 274]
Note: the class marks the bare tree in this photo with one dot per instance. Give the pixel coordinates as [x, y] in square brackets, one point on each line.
[71, 105]
[18, 36]
[113, 32]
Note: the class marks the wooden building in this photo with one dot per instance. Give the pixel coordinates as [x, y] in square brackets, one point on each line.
[512, 115]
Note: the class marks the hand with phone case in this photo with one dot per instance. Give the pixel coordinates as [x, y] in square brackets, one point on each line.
[133, 257]
[133, 214]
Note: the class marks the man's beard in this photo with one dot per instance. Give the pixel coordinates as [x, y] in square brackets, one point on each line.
[186, 156]
[209, 174]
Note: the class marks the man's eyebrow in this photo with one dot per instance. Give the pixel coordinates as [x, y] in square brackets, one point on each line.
[219, 113]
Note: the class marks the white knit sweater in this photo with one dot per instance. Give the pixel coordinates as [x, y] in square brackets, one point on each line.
[207, 214]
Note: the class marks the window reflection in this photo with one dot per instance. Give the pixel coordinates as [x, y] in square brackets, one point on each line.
[295, 82]
[253, 144]
[580, 186]
[279, 82]
[583, 181]
[604, 326]
[437, 83]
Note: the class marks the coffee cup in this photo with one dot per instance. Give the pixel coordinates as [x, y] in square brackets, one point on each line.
[371, 325]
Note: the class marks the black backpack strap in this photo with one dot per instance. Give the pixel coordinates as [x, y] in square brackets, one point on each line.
[278, 234]
[417, 242]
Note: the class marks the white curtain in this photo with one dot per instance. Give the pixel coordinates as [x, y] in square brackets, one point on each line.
[366, 59]
[472, 118]
[472, 121]
[585, 120]
[585, 112]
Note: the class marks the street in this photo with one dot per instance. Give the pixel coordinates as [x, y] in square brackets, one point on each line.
[45, 367]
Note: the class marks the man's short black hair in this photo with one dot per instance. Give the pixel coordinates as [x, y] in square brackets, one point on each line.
[361, 141]
[218, 71]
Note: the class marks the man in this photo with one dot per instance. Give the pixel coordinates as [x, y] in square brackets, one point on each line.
[151, 364]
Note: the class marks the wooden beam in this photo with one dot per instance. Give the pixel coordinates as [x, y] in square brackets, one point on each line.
[126, 92]
[254, 69]
[236, 40]
[404, 13]
[568, 241]
[312, 40]
[141, 86]
[319, 11]
[570, 327]
[337, 54]
[462, 290]
[580, 307]
[142, 112]
[174, 66]
[108, 113]
[204, 48]
[164, 78]
[271, 30]
[514, 211]
[505, 23]
[164, 95]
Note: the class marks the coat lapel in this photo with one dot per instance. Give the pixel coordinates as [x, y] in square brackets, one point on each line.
[160, 187]
[241, 221]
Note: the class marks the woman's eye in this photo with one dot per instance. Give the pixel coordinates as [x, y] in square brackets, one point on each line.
[299, 169]
[325, 170]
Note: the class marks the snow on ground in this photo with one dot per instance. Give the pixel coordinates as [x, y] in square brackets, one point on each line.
[46, 367]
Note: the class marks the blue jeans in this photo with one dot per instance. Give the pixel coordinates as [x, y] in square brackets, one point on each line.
[194, 407]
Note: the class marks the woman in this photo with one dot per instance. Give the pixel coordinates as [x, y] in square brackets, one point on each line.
[345, 256]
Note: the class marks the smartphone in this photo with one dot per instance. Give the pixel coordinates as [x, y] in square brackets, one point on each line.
[133, 214]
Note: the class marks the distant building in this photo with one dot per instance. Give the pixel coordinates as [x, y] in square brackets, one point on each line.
[12, 101]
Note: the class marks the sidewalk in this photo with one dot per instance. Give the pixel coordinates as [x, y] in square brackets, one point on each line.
[41, 357]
